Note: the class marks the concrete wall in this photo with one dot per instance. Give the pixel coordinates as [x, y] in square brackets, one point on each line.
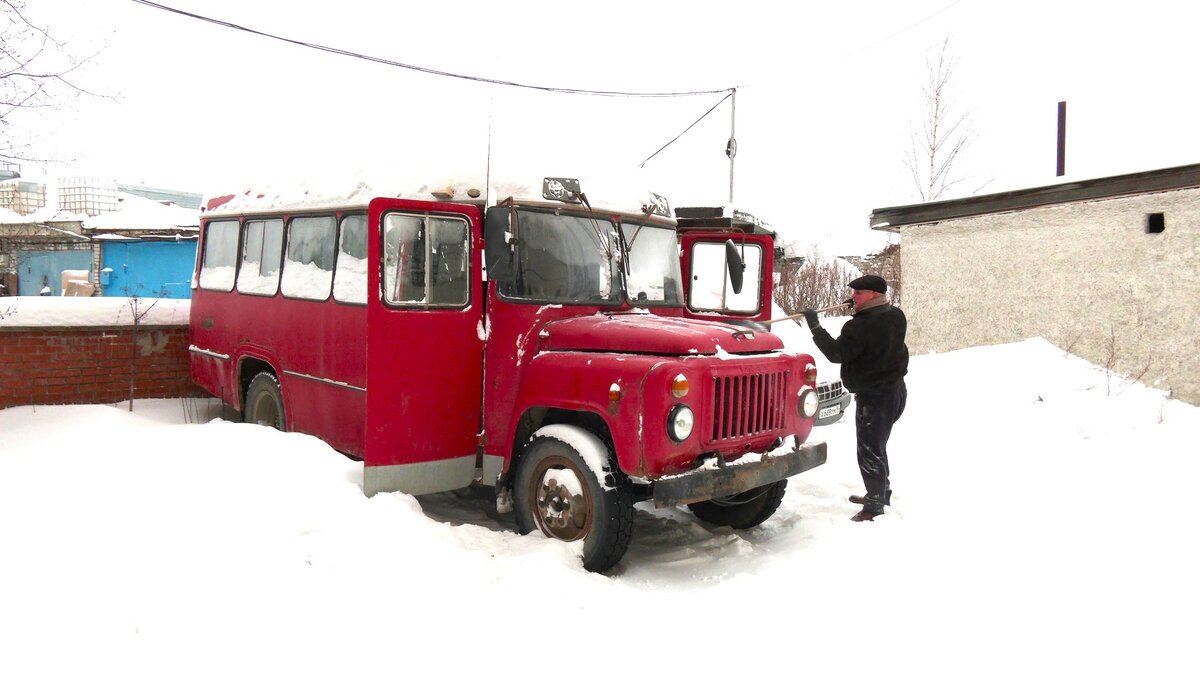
[41, 366]
[1086, 276]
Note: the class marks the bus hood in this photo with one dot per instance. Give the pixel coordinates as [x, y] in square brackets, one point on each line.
[651, 334]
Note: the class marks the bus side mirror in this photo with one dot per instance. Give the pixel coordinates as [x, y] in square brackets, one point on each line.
[510, 234]
[733, 262]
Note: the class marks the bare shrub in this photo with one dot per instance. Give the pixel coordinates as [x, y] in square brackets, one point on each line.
[885, 263]
[816, 282]
[890, 269]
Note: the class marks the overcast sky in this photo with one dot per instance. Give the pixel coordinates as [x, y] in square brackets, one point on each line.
[827, 96]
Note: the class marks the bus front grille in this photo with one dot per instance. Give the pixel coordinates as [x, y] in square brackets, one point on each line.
[748, 405]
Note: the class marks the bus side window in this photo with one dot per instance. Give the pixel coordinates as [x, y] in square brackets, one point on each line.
[311, 250]
[220, 255]
[350, 274]
[261, 248]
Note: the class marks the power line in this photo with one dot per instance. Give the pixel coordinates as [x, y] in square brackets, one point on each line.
[903, 30]
[422, 69]
[731, 92]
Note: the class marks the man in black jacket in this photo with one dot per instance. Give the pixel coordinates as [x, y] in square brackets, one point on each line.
[874, 362]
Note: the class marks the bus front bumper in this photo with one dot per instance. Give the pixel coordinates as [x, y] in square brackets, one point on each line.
[704, 484]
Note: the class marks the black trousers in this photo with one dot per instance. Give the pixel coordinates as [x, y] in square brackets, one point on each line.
[874, 416]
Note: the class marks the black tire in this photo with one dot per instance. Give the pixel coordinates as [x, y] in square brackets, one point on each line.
[264, 402]
[744, 510]
[602, 517]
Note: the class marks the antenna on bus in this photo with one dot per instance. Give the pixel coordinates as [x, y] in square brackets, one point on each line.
[487, 178]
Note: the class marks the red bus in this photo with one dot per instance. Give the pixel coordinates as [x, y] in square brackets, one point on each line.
[536, 339]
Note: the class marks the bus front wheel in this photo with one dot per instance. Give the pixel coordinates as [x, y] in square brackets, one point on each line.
[264, 402]
[557, 493]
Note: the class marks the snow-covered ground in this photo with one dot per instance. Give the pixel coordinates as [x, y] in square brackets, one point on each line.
[1041, 523]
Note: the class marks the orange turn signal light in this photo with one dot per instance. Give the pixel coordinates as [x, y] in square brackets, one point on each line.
[680, 386]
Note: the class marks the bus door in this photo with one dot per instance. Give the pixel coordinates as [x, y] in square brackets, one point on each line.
[708, 261]
[424, 346]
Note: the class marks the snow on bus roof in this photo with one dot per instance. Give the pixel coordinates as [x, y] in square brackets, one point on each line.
[358, 189]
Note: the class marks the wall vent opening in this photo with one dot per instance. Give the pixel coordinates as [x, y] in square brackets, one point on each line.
[1155, 223]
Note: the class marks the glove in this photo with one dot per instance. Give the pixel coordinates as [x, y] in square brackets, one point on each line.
[810, 315]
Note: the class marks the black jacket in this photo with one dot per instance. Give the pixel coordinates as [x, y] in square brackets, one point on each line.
[871, 349]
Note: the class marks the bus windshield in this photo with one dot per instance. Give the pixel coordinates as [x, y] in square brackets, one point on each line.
[571, 258]
[566, 259]
[654, 277]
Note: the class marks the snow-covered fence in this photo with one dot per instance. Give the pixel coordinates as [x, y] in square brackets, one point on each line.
[61, 350]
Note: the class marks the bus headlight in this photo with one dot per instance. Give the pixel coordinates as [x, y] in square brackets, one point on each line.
[680, 423]
[809, 402]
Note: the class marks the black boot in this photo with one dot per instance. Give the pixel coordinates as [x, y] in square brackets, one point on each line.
[861, 499]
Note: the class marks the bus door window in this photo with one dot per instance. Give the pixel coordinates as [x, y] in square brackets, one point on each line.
[425, 260]
[448, 256]
[710, 288]
[311, 250]
[350, 275]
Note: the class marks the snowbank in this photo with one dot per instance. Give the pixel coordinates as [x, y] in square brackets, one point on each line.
[53, 312]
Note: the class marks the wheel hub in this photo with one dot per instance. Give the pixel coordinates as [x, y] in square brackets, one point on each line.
[561, 507]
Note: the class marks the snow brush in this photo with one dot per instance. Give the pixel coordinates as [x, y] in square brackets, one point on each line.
[845, 304]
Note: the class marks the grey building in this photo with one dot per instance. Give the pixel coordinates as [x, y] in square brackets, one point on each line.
[1104, 268]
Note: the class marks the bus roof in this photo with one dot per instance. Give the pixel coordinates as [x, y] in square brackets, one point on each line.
[357, 191]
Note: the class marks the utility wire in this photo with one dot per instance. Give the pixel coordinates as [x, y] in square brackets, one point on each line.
[727, 96]
[902, 30]
[422, 69]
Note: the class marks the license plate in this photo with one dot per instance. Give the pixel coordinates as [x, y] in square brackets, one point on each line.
[829, 412]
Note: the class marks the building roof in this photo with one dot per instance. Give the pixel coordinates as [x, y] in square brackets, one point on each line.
[893, 218]
[139, 213]
[186, 200]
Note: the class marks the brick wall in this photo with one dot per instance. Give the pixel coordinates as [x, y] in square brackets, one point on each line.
[40, 366]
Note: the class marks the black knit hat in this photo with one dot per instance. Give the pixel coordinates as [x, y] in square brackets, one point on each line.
[869, 282]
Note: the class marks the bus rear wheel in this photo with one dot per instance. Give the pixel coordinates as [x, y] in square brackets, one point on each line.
[264, 402]
[555, 492]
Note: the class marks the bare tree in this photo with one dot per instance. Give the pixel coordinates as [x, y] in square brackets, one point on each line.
[945, 131]
[36, 75]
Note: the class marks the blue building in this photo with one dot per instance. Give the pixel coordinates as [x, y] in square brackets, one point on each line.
[147, 249]
[137, 267]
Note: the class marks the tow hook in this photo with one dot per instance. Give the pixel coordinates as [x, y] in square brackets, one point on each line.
[710, 460]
